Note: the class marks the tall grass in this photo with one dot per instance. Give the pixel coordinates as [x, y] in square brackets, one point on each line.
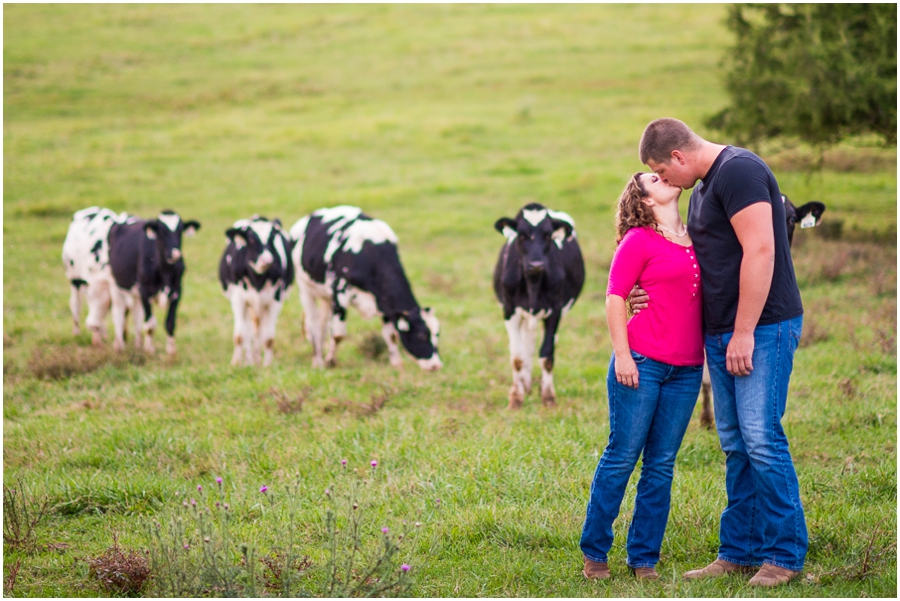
[438, 119]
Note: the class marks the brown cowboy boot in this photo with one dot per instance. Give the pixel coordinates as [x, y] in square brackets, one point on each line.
[719, 567]
[769, 575]
[645, 573]
[595, 570]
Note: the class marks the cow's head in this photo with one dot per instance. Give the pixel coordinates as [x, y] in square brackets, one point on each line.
[419, 331]
[808, 215]
[261, 240]
[167, 230]
[533, 230]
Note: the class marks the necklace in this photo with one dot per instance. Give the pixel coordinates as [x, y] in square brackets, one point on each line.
[661, 226]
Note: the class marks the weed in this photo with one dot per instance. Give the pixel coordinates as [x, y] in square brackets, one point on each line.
[373, 345]
[57, 363]
[120, 571]
[287, 404]
[22, 513]
[9, 581]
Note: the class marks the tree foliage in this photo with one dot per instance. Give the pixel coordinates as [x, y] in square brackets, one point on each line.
[818, 73]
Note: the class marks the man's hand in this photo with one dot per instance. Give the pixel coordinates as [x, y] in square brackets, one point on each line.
[638, 299]
[739, 355]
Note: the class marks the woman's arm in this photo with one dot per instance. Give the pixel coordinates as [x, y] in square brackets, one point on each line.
[617, 319]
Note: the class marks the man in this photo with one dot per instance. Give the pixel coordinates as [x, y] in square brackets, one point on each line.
[753, 318]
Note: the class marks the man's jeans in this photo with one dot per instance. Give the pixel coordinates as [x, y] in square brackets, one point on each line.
[763, 522]
[651, 419]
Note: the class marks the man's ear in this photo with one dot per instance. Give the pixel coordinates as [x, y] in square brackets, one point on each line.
[237, 236]
[678, 156]
[506, 226]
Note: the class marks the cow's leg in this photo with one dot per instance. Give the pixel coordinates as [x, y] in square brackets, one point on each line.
[174, 298]
[548, 392]
[98, 300]
[389, 333]
[706, 419]
[241, 327]
[267, 331]
[119, 307]
[338, 329]
[148, 327]
[528, 332]
[315, 321]
[75, 308]
[516, 359]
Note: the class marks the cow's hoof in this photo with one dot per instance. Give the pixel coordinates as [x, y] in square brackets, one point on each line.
[397, 364]
[548, 396]
[330, 363]
[118, 346]
[96, 339]
[515, 398]
[170, 347]
[318, 363]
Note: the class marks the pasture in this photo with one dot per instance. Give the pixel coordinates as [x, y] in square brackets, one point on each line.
[438, 120]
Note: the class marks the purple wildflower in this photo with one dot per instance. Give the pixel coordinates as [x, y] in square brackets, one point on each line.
[193, 502]
[343, 462]
[187, 546]
[405, 567]
[374, 463]
[263, 488]
[219, 481]
[385, 530]
[199, 488]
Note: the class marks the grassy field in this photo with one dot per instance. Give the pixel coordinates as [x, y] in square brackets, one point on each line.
[439, 120]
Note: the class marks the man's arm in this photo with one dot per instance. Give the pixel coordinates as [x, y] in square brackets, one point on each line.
[754, 230]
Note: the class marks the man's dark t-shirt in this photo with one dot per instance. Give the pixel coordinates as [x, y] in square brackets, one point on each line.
[737, 179]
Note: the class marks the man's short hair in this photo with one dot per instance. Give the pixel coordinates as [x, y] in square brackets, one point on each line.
[662, 136]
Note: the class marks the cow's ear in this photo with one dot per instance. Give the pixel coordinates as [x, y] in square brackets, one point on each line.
[506, 226]
[191, 227]
[237, 236]
[402, 325]
[561, 229]
[277, 223]
[150, 229]
[810, 214]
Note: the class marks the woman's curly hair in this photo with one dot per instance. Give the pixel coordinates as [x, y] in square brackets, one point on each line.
[631, 212]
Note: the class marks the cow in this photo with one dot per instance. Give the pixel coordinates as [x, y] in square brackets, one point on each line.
[808, 215]
[538, 277]
[256, 272]
[343, 257]
[85, 256]
[147, 265]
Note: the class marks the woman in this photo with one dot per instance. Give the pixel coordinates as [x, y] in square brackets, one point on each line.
[654, 374]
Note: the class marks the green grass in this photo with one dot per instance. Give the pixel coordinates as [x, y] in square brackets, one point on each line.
[438, 119]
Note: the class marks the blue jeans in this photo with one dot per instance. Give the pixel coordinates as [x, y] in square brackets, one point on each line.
[763, 522]
[651, 420]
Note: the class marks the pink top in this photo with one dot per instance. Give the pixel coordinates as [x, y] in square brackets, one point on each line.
[670, 329]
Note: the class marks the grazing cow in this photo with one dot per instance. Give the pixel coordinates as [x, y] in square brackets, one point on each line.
[343, 257]
[256, 271]
[146, 262]
[809, 215]
[85, 257]
[538, 276]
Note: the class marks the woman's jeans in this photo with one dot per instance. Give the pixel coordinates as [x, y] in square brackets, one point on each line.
[763, 522]
[651, 420]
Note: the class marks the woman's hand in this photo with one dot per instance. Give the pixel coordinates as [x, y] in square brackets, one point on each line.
[626, 371]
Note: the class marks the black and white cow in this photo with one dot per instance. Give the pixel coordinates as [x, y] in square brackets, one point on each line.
[538, 276]
[85, 257]
[256, 272]
[146, 262]
[343, 257]
[808, 215]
